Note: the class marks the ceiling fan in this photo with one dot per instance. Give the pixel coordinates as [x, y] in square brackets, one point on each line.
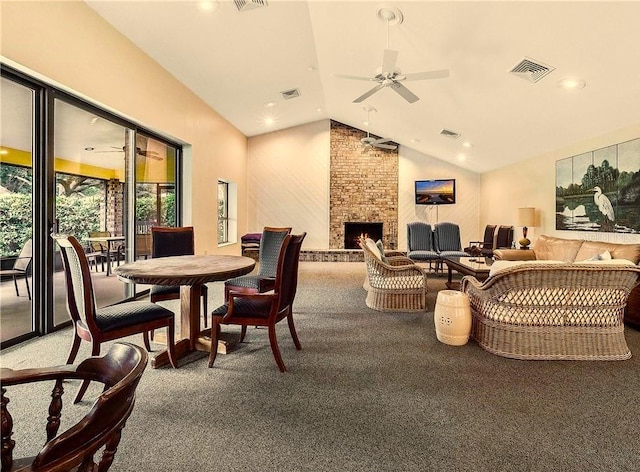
[139, 152]
[370, 141]
[389, 75]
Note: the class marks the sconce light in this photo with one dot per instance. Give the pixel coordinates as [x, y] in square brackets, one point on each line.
[526, 219]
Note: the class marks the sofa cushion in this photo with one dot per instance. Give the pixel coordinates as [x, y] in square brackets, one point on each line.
[558, 249]
[589, 249]
[499, 266]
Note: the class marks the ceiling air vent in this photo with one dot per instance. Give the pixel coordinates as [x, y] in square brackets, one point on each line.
[531, 70]
[289, 94]
[450, 134]
[244, 5]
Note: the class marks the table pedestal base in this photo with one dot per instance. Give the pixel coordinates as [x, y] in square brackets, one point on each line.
[226, 343]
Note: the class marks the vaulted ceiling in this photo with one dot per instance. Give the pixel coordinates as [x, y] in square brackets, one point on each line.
[240, 61]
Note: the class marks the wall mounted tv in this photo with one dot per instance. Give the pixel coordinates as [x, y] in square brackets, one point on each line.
[436, 192]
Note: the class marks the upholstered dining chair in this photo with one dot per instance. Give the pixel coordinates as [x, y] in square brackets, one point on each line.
[420, 244]
[173, 241]
[98, 325]
[504, 237]
[264, 280]
[447, 241]
[264, 309]
[21, 267]
[99, 429]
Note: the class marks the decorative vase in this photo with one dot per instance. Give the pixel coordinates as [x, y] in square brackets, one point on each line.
[452, 317]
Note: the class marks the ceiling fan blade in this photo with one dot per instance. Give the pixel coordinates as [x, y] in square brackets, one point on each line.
[404, 92]
[433, 74]
[354, 77]
[368, 94]
[389, 59]
[385, 146]
[381, 140]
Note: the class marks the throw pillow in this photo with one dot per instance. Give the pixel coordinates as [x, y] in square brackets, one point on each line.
[383, 258]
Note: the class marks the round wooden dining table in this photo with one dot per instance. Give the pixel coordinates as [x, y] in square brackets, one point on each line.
[190, 273]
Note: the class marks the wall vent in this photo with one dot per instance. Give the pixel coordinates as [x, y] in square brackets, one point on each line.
[450, 134]
[244, 5]
[531, 70]
[289, 94]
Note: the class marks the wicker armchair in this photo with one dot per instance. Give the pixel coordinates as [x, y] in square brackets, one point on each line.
[553, 311]
[395, 283]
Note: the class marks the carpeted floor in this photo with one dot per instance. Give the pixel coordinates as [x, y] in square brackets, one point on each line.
[369, 391]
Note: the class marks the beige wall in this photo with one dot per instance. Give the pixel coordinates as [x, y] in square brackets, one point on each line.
[532, 183]
[69, 45]
[288, 182]
[288, 179]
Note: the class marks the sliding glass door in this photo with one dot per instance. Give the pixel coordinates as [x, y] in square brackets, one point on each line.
[16, 209]
[69, 167]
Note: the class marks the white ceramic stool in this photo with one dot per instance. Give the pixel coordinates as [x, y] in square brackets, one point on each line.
[452, 317]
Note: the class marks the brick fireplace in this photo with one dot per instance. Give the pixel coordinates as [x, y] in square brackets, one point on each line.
[363, 187]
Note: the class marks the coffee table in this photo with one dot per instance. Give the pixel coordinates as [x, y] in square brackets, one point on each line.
[477, 266]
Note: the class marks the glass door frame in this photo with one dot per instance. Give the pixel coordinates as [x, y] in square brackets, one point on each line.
[43, 196]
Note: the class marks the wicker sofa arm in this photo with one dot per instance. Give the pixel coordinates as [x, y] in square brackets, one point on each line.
[514, 255]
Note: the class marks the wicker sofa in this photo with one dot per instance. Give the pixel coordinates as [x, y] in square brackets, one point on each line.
[393, 283]
[557, 302]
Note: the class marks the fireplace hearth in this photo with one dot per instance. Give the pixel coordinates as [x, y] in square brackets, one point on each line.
[353, 231]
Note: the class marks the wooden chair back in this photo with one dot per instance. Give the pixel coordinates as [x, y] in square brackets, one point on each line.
[270, 244]
[119, 370]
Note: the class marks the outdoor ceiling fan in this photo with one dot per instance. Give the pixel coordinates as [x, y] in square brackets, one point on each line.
[139, 152]
[370, 141]
[389, 75]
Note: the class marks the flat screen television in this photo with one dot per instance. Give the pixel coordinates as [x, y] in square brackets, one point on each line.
[436, 192]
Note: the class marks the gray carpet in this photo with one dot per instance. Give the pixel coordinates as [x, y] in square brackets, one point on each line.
[369, 391]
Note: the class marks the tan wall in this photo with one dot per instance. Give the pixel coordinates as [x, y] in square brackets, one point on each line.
[69, 45]
[532, 183]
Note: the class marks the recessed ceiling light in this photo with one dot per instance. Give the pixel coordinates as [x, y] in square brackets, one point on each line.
[208, 5]
[572, 83]
[270, 104]
[467, 145]
[462, 157]
[93, 120]
[269, 120]
[414, 140]
[319, 109]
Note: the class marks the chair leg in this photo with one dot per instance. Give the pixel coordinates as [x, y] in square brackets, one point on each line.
[292, 329]
[243, 333]
[145, 339]
[215, 334]
[171, 345]
[205, 298]
[15, 283]
[26, 281]
[95, 351]
[274, 348]
[74, 348]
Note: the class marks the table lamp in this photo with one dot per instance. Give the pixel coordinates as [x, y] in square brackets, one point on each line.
[526, 218]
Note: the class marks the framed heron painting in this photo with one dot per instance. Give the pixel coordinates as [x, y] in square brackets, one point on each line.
[600, 190]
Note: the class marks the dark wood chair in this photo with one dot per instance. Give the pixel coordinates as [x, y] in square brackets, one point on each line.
[265, 279]
[119, 370]
[484, 247]
[21, 267]
[264, 309]
[173, 241]
[98, 325]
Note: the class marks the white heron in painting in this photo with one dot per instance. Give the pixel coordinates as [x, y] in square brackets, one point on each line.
[604, 204]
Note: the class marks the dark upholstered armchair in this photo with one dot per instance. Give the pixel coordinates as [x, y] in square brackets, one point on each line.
[264, 309]
[484, 247]
[264, 280]
[74, 448]
[98, 325]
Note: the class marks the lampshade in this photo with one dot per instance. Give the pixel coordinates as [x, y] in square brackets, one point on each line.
[527, 216]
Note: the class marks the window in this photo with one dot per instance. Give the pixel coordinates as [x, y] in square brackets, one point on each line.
[223, 212]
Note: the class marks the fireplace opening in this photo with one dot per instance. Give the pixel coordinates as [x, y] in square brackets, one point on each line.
[353, 231]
